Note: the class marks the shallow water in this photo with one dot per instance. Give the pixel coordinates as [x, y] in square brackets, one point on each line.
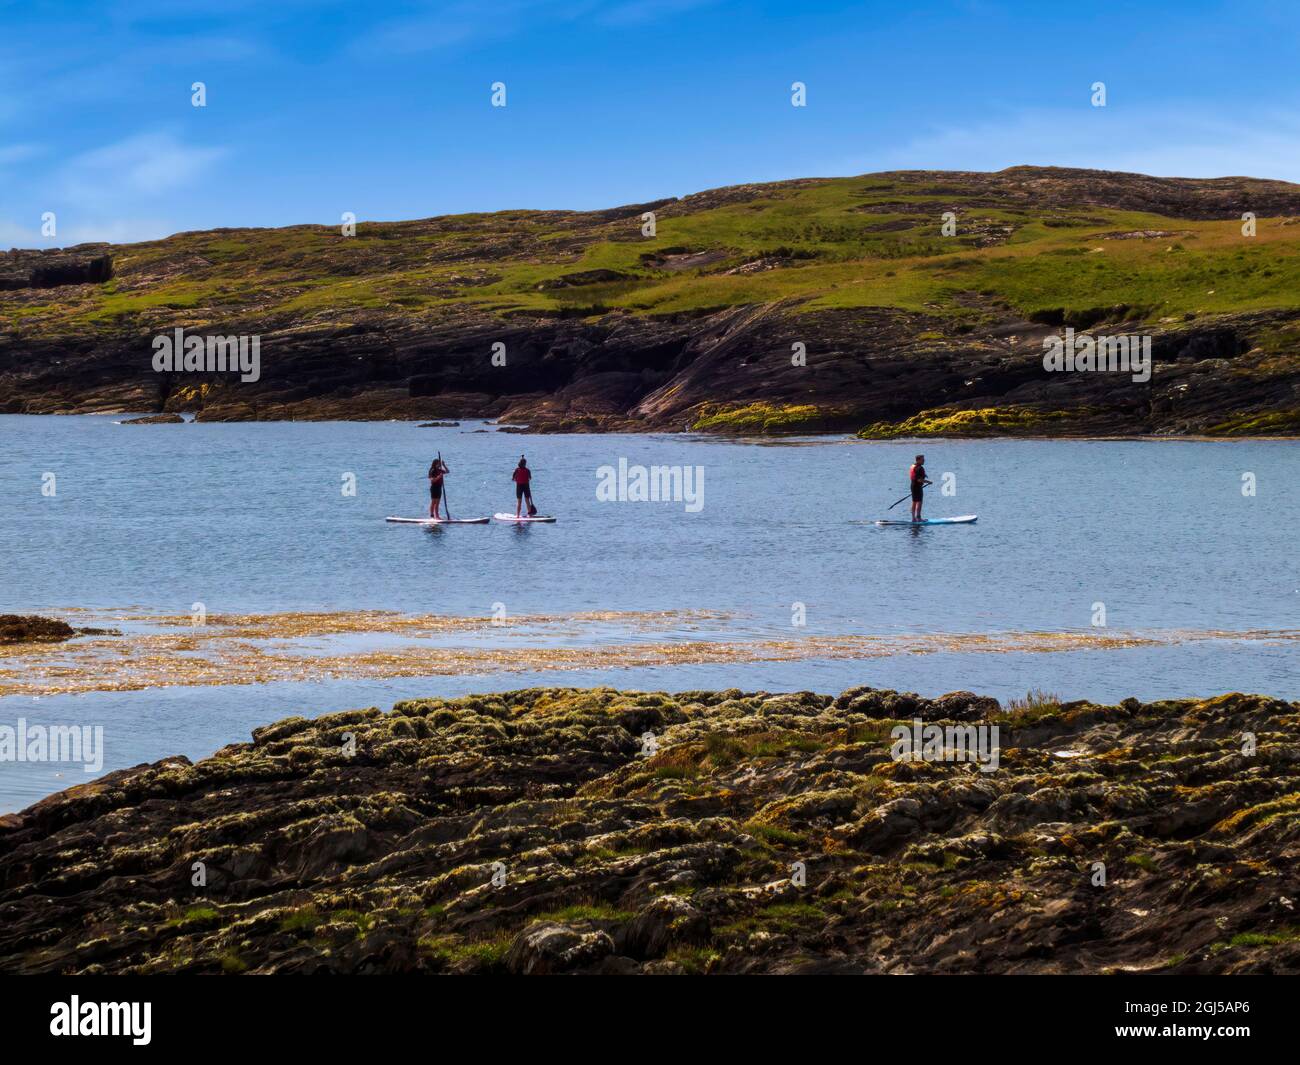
[1192, 575]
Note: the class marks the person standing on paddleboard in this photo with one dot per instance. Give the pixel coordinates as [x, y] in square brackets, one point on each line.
[437, 471]
[523, 477]
[917, 476]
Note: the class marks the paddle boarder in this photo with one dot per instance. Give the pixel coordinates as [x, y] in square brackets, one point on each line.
[523, 477]
[916, 475]
[437, 471]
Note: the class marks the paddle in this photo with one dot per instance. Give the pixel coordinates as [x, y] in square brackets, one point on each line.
[896, 502]
[446, 505]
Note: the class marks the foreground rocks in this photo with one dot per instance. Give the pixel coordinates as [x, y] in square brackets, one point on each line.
[563, 830]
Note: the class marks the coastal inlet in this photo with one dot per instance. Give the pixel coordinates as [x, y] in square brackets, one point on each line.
[1074, 581]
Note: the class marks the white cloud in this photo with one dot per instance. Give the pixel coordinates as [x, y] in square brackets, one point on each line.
[122, 231]
[109, 193]
[1170, 142]
[147, 165]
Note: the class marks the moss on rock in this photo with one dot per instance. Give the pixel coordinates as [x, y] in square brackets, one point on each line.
[533, 831]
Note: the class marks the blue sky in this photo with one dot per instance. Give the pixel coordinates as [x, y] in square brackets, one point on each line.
[383, 109]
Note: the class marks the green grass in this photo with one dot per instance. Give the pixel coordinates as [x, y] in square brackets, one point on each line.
[779, 917]
[1265, 939]
[304, 920]
[1142, 861]
[486, 951]
[179, 296]
[586, 912]
[851, 243]
[693, 960]
[195, 915]
[1035, 705]
[675, 772]
[774, 834]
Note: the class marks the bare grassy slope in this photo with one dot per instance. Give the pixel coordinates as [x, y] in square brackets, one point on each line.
[605, 328]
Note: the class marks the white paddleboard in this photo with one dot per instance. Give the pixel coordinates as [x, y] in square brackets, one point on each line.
[965, 519]
[440, 521]
[512, 519]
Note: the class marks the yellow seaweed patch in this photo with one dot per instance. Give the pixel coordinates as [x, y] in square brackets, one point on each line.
[987, 421]
[256, 649]
[764, 418]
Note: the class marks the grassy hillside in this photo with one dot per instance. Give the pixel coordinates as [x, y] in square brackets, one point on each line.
[1032, 245]
[845, 242]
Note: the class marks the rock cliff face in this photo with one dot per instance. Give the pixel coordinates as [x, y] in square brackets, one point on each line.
[800, 306]
[565, 830]
[19, 269]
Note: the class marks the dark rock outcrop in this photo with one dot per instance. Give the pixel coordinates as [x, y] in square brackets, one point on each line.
[54, 269]
[32, 628]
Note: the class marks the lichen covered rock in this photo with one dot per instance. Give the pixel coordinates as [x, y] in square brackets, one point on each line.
[538, 832]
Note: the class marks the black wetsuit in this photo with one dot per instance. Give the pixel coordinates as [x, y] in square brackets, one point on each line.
[918, 483]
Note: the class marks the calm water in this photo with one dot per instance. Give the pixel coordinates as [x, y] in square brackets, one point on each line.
[250, 518]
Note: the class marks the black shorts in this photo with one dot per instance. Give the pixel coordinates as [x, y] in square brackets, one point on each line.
[918, 492]
[435, 491]
[523, 491]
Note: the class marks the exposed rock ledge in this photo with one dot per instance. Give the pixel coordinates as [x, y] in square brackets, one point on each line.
[32, 628]
[609, 859]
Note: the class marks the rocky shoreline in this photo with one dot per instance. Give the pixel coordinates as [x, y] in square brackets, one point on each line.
[598, 831]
